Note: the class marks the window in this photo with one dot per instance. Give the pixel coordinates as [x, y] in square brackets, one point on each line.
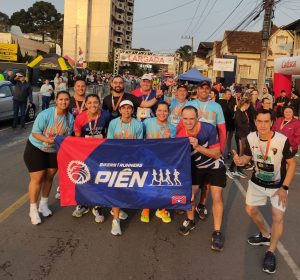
[6, 90]
[281, 40]
[269, 74]
[245, 71]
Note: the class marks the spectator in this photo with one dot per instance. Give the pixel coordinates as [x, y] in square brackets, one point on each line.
[289, 126]
[46, 91]
[21, 95]
[280, 103]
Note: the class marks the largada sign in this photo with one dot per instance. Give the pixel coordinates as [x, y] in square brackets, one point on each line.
[142, 58]
[223, 64]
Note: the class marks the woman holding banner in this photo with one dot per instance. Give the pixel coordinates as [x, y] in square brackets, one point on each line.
[91, 123]
[157, 128]
[123, 127]
[40, 153]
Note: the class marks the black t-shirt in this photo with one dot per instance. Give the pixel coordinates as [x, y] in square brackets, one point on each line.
[107, 103]
[73, 108]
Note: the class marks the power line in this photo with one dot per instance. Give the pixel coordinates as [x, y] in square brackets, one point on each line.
[199, 2]
[200, 21]
[164, 12]
[225, 19]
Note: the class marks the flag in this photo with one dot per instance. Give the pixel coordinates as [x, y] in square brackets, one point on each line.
[136, 174]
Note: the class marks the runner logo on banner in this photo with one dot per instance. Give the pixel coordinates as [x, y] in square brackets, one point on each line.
[125, 173]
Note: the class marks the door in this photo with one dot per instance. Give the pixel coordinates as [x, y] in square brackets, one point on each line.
[6, 103]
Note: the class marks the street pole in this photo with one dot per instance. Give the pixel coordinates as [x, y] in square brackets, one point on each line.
[75, 51]
[192, 46]
[266, 31]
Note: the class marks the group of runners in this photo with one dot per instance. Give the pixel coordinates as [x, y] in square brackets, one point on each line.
[153, 114]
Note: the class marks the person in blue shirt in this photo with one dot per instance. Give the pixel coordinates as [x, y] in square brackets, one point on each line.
[40, 153]
[176, 105]
[123, 127]
[156, 128]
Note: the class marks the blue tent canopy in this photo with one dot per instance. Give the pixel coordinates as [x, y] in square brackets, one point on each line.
[193, 75]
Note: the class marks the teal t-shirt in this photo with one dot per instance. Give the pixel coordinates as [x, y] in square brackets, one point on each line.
[120, 130]
[45, 124]
[209, 111]
[156, 131]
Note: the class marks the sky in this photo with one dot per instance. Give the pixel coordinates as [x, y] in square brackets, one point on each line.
[200, 19]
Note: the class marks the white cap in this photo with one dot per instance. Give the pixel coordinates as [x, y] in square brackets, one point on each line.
[126, 102]
[147, 77]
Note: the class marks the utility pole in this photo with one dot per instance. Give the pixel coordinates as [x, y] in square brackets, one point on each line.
[266, 31]
[75, 50]
[192, 46]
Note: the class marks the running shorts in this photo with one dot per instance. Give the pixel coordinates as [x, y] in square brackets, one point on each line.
[258, 196]
[213, 177]
[37, 160]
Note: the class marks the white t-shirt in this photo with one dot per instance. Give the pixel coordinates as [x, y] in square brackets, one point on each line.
[268, 173]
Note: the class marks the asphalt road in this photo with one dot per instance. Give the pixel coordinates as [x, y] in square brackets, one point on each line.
[63, 247]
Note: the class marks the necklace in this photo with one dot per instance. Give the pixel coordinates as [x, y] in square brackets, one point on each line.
[265, 155]
[115, 107]
[92, 130]
[125, 132]
[79, 109]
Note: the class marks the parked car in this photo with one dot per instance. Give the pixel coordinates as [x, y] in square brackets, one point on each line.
[6, 102]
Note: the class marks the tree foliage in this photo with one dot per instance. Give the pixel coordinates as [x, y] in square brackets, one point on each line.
[41, 18]
[185, 52]
[4, 22]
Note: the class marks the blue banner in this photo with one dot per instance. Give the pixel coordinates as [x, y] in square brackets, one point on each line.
[125, 173]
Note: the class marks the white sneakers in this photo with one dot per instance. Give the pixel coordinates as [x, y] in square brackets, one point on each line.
[122, 216]
[43, 209]
[35, 217]
[116, 228]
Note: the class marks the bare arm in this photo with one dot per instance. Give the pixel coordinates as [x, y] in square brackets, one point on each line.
[212, 153]
[240, 160]
[290, 171]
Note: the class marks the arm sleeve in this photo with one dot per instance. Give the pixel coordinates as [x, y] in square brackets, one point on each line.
[222, 136]
[247, 151]
[40, 123]
[110, 131]
[219, 115]
[287, 154]
[213, 137]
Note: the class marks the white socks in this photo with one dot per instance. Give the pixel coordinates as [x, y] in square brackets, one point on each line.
[34, 214]
[43, 207]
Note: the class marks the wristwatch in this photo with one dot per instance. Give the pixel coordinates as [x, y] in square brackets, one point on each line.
[286, 188]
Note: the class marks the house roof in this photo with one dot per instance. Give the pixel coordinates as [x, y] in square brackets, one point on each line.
[292, 26]
[204, 48]
[244, 41]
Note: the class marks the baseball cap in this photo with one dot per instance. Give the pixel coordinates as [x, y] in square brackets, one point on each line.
[20, 73]
[182, 86]
[204, 83]
[147, 77]
[126, 102]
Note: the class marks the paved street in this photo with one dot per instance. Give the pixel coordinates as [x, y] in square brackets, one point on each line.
[63, 247]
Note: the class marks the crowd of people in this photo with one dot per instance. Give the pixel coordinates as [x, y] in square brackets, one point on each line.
[209, 117]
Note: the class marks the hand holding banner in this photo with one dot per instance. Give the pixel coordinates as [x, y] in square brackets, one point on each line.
[125, 173]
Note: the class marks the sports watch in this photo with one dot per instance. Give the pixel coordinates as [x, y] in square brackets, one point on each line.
[286, 188]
